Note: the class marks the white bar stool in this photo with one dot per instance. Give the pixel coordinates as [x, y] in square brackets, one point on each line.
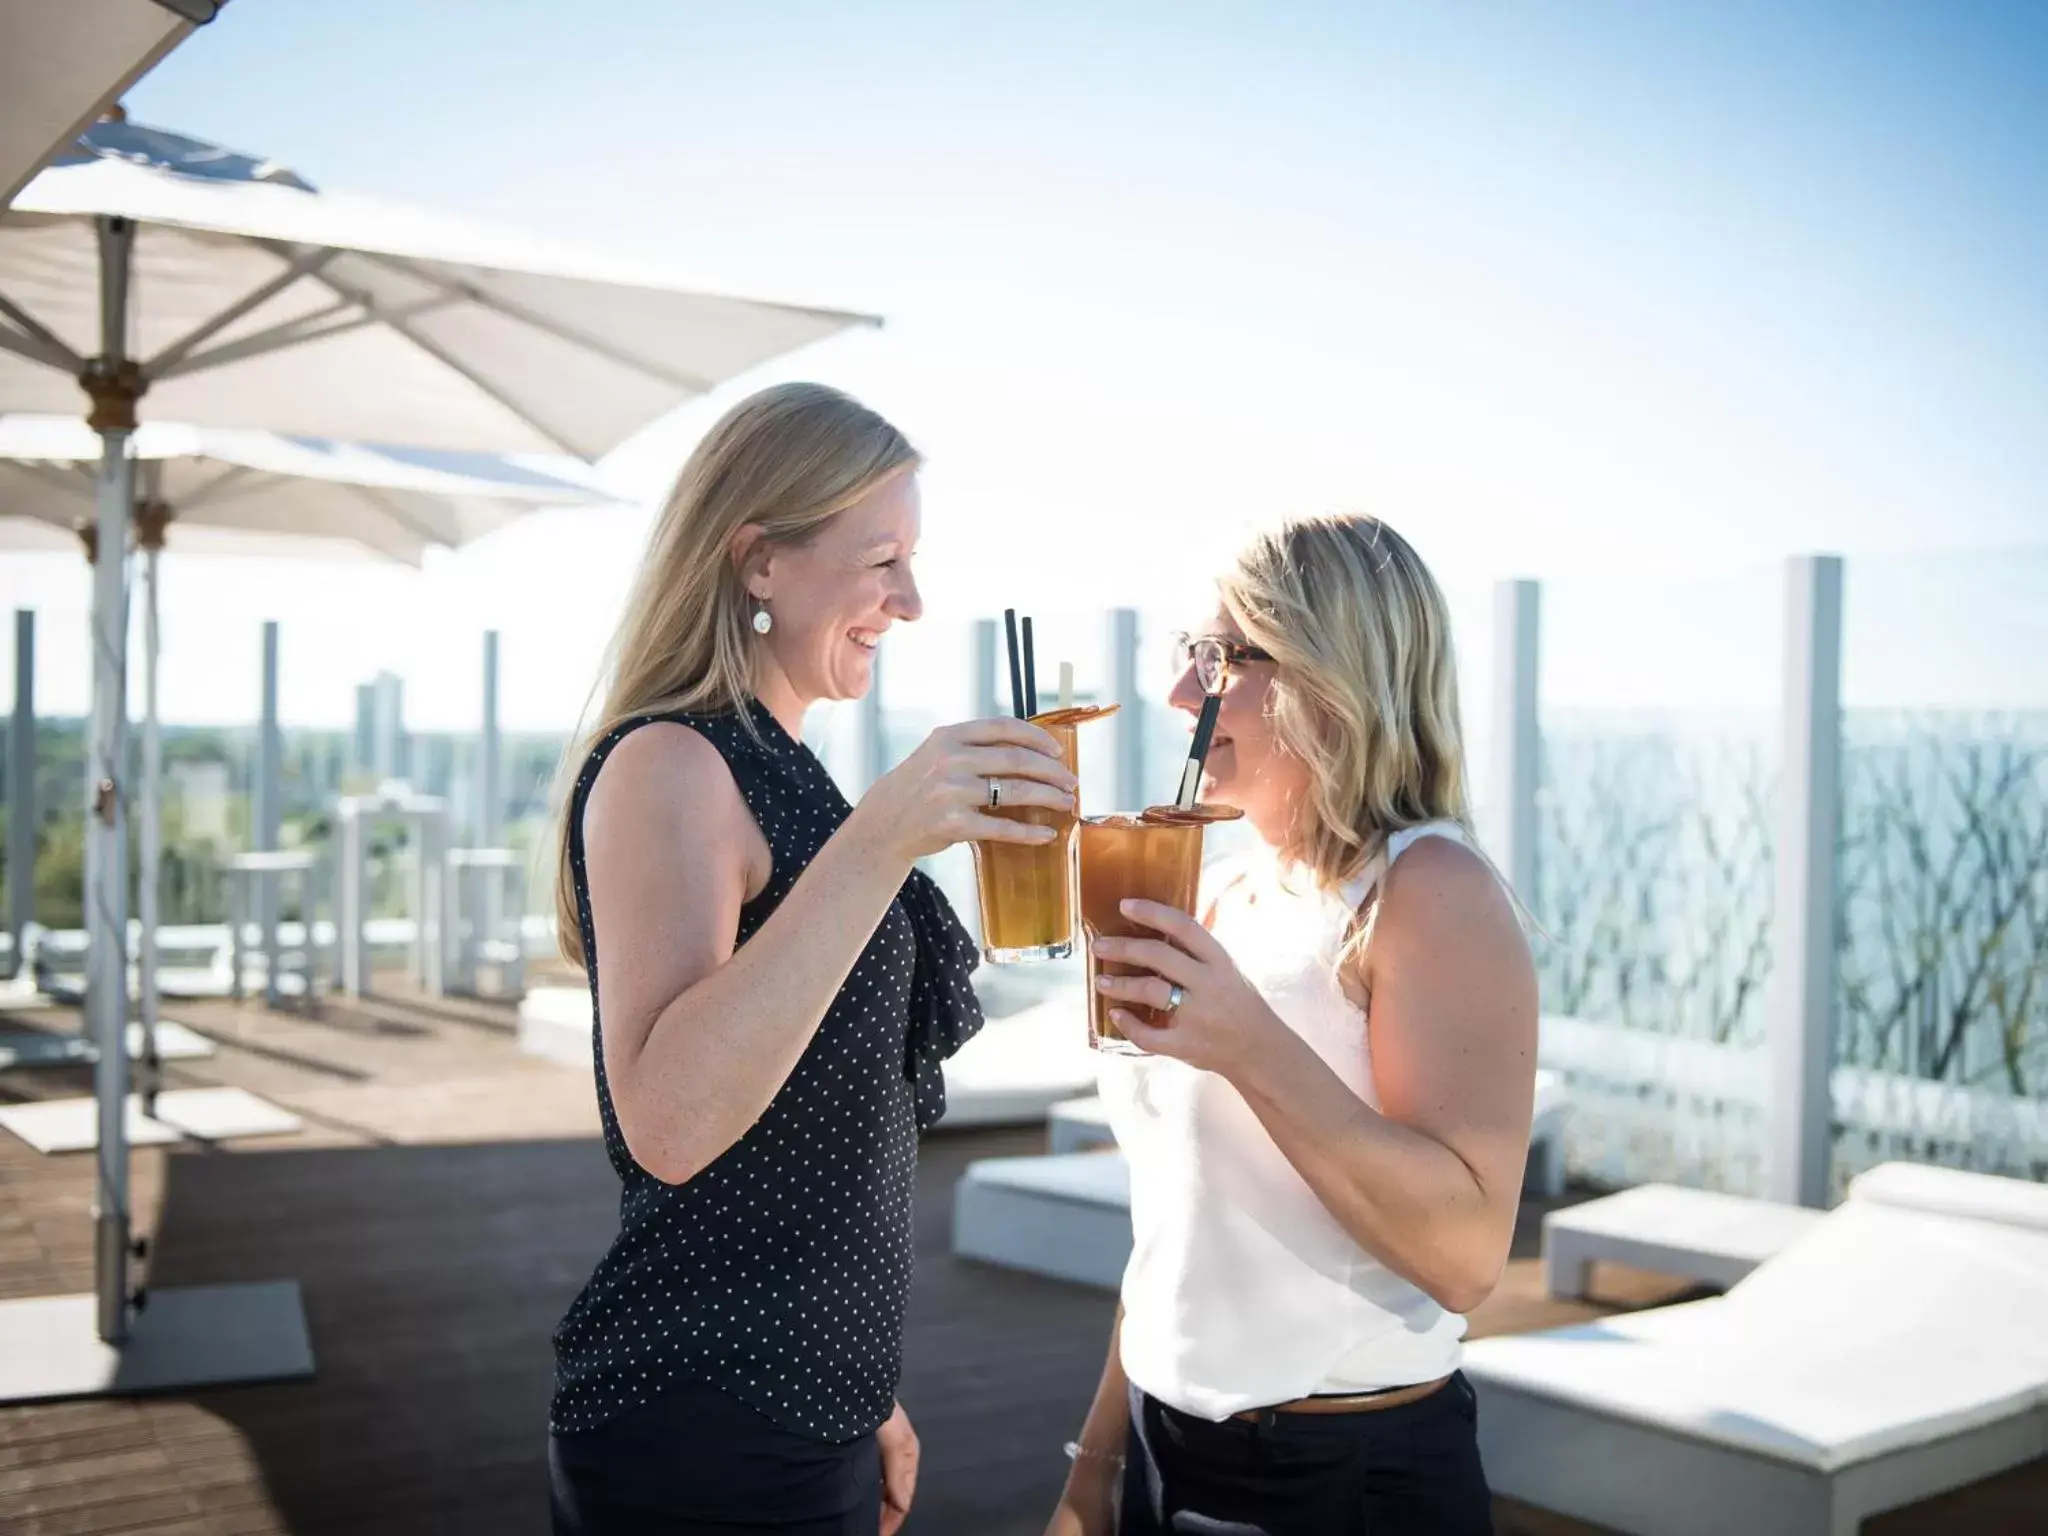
[257, 887]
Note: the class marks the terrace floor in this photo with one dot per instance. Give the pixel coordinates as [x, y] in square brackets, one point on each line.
[444, 1202]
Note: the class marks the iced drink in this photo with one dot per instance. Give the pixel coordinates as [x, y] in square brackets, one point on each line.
[1027, 890]
[1152, 856]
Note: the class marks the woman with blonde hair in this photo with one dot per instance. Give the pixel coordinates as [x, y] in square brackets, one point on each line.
[779, 987]
[1327, 1134]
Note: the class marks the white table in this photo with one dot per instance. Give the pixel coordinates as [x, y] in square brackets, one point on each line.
[426, 819]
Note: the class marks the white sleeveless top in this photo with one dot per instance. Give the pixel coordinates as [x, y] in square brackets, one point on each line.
[1242, 1289]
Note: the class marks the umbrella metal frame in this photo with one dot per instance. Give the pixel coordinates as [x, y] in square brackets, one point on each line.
[107, 1343]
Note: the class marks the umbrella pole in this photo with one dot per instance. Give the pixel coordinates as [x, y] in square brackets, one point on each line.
[21, 785]
[101, 1343]
[149, 537]
[114, 384]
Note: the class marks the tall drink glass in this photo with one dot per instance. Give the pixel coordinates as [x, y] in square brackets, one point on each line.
[1152, 856]
[1027, 890]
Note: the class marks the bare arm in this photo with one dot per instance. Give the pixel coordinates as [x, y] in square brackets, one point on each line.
[699, 1037]
[1088, 1503]
[1428, 1183]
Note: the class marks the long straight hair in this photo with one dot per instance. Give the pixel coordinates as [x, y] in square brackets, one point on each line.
[786, 460]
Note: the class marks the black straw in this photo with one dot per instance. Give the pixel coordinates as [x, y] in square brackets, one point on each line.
[1030, 674]
[1016, 671]
[1198, 753]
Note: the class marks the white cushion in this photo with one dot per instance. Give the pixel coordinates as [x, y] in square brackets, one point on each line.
[1954, 1192]
[1879, 1329]
[1884, 1272]
[1090, 1178]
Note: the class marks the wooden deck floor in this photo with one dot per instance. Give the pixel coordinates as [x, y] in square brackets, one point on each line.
[445, 1201]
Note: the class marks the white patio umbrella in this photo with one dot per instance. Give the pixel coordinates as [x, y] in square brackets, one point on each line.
[64, 64]
[236, 491]
[25, 536]
[227, 292]
[239, 492]
[247, 299]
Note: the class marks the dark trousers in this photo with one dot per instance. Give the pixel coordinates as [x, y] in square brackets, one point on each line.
[1406, 1471]
[699, 1462]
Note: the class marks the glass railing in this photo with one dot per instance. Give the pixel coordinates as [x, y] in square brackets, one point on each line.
[1941, 1031]
[1658, 807]
[1653, 897]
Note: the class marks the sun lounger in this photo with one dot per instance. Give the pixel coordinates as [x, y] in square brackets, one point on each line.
[1716, 1238]
[1954, 1192]
[1068, 1216]
[1694, 1234]
[1884, 1356]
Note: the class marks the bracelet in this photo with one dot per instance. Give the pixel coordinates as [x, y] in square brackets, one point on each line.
[1079, 1452]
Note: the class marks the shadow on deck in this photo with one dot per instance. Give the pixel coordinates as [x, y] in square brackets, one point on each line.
[445, 1202]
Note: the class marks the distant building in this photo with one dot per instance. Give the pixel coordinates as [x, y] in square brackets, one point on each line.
[381, 747]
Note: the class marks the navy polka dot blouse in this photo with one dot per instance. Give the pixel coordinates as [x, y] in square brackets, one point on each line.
[779, 1273]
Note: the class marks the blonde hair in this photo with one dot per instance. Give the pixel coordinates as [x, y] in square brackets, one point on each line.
[1365, 691]
[787, 460]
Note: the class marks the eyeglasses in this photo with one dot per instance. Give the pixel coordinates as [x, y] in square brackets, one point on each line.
[1212, 657]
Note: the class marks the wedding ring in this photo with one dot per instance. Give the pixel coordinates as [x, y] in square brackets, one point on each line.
[995, 794]
[1175, 996]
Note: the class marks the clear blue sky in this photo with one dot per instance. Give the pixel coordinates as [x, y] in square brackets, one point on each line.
[1618, 294]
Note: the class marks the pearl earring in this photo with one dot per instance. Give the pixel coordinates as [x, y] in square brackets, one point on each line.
[763, 621]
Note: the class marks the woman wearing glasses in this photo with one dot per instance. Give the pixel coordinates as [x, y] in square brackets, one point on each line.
[1327, 1137]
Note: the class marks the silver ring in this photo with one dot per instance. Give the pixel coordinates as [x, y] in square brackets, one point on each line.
[995, 794]
[1175, 996]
